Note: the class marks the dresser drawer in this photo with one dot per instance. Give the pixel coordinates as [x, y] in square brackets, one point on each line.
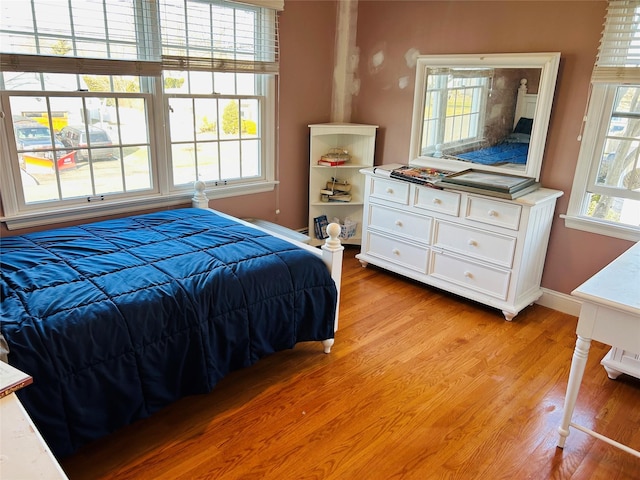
[398, 222]
[479, 244]
[436, 200]
[396, 192]
[493, 212]
[470, 275]
[398, 252]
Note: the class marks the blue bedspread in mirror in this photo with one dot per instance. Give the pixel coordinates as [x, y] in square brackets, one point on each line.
[506, 152]
[116, 319]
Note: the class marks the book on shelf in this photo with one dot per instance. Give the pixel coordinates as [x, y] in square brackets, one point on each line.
[532, 187]
[337, 191]
[331, 163]
[421, 175]
[340, 197]
[334, 196]
[320, 227]
[12, 379]
[340, 186]
[498, 182]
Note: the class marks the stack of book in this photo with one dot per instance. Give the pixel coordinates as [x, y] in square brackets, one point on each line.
[492, 184]
[336, 191]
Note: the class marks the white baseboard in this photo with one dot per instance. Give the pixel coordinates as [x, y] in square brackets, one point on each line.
[560, 301]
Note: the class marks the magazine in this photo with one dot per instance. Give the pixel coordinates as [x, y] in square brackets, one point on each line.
[420, 175]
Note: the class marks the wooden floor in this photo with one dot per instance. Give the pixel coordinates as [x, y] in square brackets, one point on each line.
[419, 385]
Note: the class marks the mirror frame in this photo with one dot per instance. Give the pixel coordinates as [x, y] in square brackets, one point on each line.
[548, 63]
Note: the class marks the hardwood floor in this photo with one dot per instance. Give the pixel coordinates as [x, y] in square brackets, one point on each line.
[419, 385]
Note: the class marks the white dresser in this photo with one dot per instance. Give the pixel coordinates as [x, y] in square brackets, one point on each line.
[483, 248]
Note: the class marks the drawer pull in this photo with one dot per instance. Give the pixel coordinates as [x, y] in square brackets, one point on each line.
[389, 190]
[395, 251]
[437, 201]
[493, 213]
[398, 223]
[472, 243]
[468, 274]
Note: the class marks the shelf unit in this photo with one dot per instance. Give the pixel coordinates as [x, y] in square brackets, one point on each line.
[359, 140]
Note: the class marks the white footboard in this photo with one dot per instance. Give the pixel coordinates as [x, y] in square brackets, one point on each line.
[331, 252]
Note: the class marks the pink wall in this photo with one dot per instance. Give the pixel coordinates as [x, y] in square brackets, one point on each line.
[431, 27]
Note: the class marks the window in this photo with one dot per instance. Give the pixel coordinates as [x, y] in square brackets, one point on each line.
[454, 109]
[215, 139]
[109, 106]
[605, 197]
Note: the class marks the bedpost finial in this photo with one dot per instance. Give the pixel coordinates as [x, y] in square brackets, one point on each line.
[333, 230]
[200, 199]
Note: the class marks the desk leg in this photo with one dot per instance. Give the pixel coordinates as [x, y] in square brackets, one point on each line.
[578, 364]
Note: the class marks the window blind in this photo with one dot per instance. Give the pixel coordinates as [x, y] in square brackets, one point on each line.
[78, 36]
[618, 59]
[139, 37]
[218, 36]
[272, 4]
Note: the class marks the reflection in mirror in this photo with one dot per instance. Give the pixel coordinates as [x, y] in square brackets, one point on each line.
[483, 112]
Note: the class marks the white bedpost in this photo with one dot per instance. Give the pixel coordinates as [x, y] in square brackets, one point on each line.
[520, 103]
[332, 253]
[200, 199]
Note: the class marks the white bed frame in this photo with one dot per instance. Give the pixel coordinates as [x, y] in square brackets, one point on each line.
[331, 252]
[525, 103]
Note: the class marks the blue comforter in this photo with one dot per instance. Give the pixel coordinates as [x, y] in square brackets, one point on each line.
[501, 153]
[116, 319]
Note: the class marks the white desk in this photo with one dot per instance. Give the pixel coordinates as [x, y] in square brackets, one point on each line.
[610, 314]
[24, 454]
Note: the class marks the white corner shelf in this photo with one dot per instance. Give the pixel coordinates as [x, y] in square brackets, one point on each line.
[359, 140]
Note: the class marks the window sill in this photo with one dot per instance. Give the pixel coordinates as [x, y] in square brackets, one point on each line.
[94, 212]
[602, 228]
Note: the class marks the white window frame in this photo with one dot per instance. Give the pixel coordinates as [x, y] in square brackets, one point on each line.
[162, 194]
[617, 66]
[593, 138]
[479, 106]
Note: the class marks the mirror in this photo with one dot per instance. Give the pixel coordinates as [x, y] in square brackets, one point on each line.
[487, 112]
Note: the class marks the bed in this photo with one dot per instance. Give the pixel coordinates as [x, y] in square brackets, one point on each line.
[514, 149]
[116, 319]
